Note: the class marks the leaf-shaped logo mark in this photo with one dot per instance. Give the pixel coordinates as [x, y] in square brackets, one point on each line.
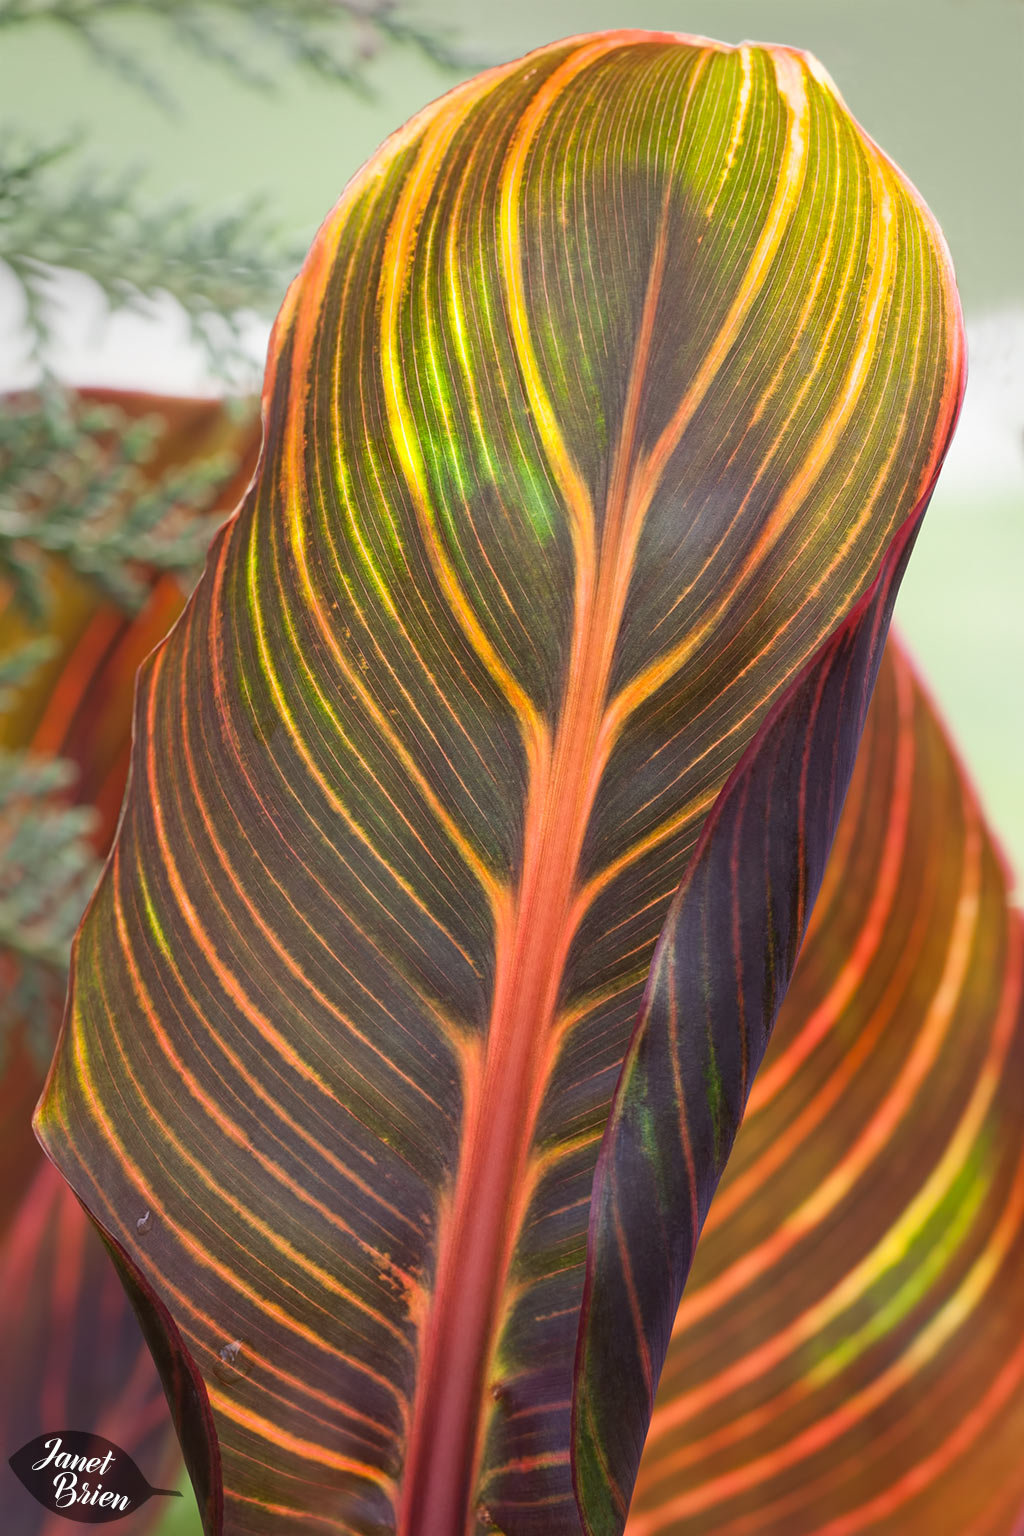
[83, 1477]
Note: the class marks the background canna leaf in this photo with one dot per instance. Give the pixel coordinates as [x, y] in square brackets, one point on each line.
[71, 1347]
[71, 699]
[602, 395]
[72, 1350]
[847, 1356]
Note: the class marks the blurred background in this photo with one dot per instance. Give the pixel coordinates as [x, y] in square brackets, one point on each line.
[163, 166]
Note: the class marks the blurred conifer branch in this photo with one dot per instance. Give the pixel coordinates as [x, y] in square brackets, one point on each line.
[218, 268]
[70, 485]
[82, 485]
[336, 39]
[18, 666]
[48, 868]
[76, 489]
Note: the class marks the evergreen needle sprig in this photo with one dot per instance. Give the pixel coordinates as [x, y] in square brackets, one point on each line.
[18, 666]
[335, 39]
[48, 868]
[219, 268]
[72, 485]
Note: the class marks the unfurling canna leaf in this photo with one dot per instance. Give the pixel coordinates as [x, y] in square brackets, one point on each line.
[606, 394]
[721, 968]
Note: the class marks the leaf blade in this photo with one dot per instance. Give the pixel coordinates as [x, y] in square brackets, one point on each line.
[394, 861]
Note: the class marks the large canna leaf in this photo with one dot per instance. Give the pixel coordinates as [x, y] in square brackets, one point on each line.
[602, 396]
[848, 1354]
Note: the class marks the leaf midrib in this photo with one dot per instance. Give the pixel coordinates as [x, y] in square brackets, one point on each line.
[534, 931]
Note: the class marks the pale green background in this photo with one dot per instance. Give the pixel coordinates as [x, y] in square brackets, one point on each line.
[939, 83]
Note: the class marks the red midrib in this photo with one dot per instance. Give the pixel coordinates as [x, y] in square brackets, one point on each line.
[479, 1234]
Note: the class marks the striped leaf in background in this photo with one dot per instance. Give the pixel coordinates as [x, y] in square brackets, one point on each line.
[848, 1355]
[76, 704]
[72, 1351]
[602, 395]
[73, 1354]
